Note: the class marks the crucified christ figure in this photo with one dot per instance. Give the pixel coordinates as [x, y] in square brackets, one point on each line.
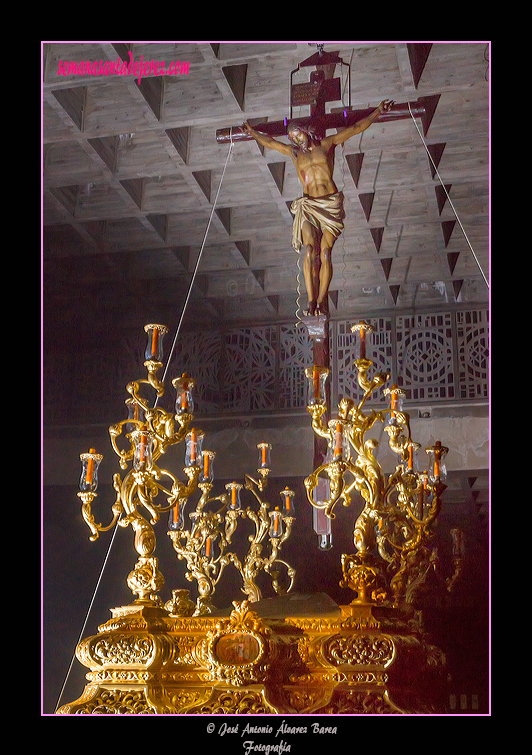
[319, 213]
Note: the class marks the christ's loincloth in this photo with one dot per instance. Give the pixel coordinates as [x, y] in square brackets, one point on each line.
[324, 213]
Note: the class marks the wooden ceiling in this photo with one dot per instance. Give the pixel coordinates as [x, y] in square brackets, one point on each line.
[131, 171]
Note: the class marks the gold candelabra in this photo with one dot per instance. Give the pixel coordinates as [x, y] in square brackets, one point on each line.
[150, 431]
[205, 544]
[393, 532]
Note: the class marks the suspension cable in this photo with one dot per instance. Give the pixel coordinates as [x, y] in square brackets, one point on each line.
[86, 618]
[196, 266]
[448, 198]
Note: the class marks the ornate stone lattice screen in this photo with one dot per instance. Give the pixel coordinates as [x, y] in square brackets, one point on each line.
[425, 364]
[435, 357]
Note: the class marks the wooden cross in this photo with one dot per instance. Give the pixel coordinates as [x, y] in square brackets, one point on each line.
[423, 107]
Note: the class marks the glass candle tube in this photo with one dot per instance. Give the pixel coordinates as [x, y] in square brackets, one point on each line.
[207, 466]
[143, 455]
[176, 518]
[135, 414]
[362, 332]
[193, 443]
[396, 397]
[437, 453]
[207, 549]
[458, 542]
[317, 379]
[322, 527]
[89, 471]
[412, 455]
[234, 489]
[276, 524]
[184, 403]
[154, 347]
[264, 455]
[339, 443]
[288, 507]
[426, 490]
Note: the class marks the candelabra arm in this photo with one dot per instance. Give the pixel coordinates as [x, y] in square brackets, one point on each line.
[117, 509]
[261, 522]
[368, 386]
[152, 380]
[87, 498]
[400, 441]
[132, 493]
[153, 367]
[288, 521]
[115, 431]
[338, 488]
[437, 490]
[320, 428]
[146, 488]
[161, 424]
[179, 491]
[279, 589]
[257, 485]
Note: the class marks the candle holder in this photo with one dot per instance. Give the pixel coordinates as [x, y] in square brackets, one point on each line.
[362, 330]
[143, 454]
[154, 347]
[288, 506]
[184, 404]
[437, 453]
[205, 543]
[234, 489]
[392, 534]
[194, 442]
[396, 399]
[207, 466]
[135, 414]
[88, 484]
[148, 433]
[276, 524]
[89, 472]
[317, 378]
